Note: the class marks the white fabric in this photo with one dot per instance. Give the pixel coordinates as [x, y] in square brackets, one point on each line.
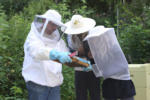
[40, 31]
[107, 53]
[79, 24]
[97, 71]
[40, 25]
[53, 16]
[121, 76]
[36, 66]
[96, 31]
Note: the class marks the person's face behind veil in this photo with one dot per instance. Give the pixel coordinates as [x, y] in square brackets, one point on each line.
[81, 37]
[48, 30]
[51, 27]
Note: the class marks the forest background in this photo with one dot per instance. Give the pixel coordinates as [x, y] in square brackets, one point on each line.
[130, 18]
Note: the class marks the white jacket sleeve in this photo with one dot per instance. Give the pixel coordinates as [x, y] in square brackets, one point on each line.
[36, 49]
[62, 46]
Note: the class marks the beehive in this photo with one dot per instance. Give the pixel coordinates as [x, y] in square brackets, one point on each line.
[140, 75]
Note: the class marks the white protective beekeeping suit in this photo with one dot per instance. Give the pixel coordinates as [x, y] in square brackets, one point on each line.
[37, 66]
[107, 53]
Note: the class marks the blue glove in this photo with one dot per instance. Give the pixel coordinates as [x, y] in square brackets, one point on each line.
[89, 68]
[63, 57]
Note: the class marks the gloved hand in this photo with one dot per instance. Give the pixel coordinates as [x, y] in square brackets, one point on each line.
[63, 57]
[89, 68]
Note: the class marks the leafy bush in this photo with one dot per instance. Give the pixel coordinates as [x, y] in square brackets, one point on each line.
[67, 88]
[135, 36]
[11, 7]
[12, 57]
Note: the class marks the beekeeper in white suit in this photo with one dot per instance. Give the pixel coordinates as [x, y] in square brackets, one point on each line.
[85, 81]
[42, 75]
[110, 62]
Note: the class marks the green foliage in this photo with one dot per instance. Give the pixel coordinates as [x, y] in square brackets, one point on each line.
[11, 7]
[67, 88]
[3, 25]
[12, 57]
[134, 36]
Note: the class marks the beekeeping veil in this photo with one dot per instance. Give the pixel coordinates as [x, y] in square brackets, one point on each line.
[41, 22]
[106, 51]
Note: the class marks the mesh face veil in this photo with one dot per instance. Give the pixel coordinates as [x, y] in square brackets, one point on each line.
[47, 29]
[47, 25]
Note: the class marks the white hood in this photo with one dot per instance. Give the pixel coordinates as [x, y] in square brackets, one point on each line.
[37, 66]
[54, 37]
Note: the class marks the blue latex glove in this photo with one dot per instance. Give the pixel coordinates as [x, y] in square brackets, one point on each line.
[89, 68]
[63, 57]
